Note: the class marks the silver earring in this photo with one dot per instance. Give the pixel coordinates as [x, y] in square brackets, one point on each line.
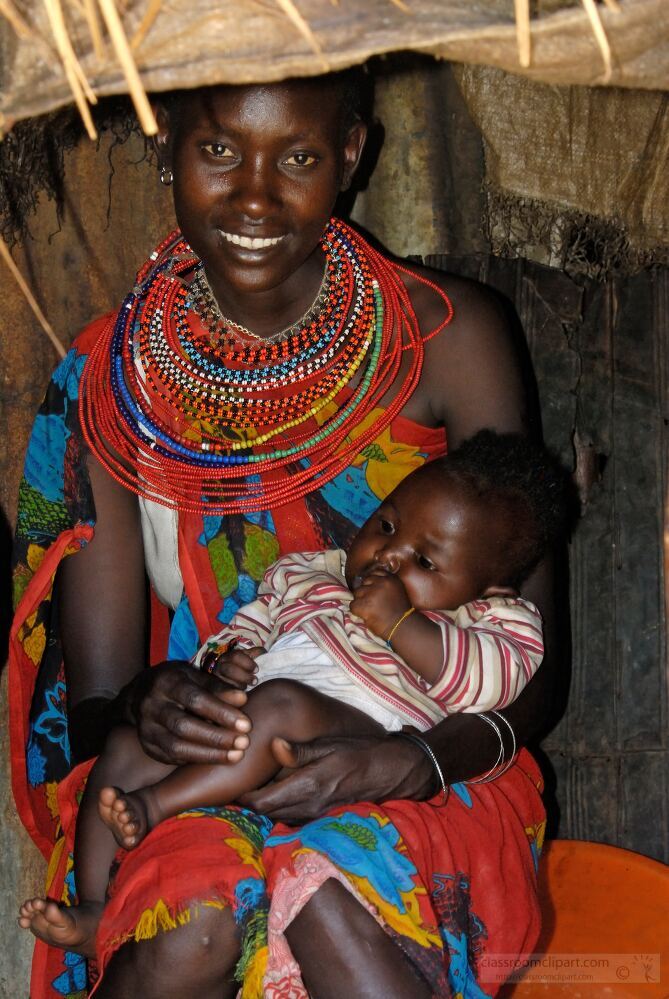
[166, 176]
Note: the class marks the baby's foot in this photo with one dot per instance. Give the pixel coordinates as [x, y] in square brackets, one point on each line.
[70, 927]
[125, 813]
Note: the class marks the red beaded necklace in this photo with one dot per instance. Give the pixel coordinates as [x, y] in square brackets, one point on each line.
[193, 421]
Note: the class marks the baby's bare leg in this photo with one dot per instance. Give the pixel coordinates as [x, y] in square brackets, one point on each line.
[276, 708]
[123, 762]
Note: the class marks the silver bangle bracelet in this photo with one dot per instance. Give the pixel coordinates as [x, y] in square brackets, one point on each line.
[514, 748]
[501, 765]
[492, 773]
[410, 737]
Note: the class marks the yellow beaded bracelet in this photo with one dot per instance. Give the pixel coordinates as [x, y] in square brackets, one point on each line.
[397, 624]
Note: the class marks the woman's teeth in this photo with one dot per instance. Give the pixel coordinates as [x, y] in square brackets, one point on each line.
[250, 242]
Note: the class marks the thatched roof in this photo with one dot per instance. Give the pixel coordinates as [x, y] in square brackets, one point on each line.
[174, 44]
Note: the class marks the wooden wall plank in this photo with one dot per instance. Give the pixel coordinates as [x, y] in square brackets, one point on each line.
[637, 504]
[591, 798]
[591, 552]
[644, 803]
[599, 354]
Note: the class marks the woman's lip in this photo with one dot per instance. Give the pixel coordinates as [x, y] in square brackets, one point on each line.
[250, 242]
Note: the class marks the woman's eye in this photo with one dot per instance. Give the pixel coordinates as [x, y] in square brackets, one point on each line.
[301, 159]
[425, 563]
[218, 149]
[386, 526]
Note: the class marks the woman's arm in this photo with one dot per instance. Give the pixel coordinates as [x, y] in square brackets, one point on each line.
[472, 379]
[481, 373]
[102, 607]
[102, 603]
[464, 745]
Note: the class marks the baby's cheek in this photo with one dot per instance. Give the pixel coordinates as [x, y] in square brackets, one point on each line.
[414, 590]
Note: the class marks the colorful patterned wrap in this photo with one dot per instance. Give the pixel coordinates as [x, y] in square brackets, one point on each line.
[448, 884]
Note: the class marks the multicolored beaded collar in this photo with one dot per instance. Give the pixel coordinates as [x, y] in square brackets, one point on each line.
[206, 420]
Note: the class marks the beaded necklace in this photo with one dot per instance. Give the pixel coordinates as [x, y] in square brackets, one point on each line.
[183, 413]
[204, 303]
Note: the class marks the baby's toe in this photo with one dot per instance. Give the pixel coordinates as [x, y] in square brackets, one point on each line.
[108, 796]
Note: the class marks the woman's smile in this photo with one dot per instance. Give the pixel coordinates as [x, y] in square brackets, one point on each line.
[251, 242]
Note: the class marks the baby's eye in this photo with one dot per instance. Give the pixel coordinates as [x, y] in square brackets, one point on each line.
[425, 563]
[300, 159]
[219, 150]
[386, 526]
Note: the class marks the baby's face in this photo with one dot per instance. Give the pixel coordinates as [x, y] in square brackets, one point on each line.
[436, 537]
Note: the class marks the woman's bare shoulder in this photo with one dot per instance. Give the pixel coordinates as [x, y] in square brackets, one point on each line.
[477, 309]
[472, 369]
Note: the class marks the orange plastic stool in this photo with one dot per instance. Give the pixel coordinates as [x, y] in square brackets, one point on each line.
[601, 900]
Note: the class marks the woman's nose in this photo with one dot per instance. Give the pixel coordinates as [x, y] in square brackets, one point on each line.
[256, 194]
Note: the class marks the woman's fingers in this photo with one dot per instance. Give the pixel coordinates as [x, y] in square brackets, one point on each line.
[187, 716]
[175, 737]
[285, 753]
[178, 739]
[336, 771]
[209, 698]
[305, 793]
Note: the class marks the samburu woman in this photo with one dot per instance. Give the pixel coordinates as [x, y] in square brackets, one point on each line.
[268, 382]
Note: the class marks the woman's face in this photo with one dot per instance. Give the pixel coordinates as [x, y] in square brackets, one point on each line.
[257, 170]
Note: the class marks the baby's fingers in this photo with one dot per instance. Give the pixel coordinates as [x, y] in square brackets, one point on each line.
[237, 668]
[239, 677]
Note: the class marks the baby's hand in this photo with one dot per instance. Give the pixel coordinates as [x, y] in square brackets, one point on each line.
[380, 600]
[236, 666]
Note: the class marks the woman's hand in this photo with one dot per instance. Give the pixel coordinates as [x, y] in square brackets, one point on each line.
[325, 773]
[184, 715]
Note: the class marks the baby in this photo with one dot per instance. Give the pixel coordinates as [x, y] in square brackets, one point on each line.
[421, 618]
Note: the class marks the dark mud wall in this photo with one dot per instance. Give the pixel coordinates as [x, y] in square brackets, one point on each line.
[600, 354]
[600, 357]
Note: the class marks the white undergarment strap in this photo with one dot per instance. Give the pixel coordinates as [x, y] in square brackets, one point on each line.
[160, 527]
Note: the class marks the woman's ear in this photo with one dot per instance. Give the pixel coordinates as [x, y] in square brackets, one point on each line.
[353, 147]
[162, 138]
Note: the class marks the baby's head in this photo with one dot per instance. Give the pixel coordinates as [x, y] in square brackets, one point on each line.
[471, 524]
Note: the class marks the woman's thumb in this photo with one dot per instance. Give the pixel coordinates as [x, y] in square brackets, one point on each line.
[284, 753]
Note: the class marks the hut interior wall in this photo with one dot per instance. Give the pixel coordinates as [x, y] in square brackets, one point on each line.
[600, 356]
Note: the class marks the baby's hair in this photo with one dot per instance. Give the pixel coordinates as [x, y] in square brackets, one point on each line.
[515, 475]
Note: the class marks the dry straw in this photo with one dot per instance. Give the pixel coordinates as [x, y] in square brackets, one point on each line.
[124, 56]
[30, 298]
[146, 22]
[600, 35]
[524, 39]
[291, 11]
[79, 85]
[522, 9]
[9, 11]
[90, 12]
